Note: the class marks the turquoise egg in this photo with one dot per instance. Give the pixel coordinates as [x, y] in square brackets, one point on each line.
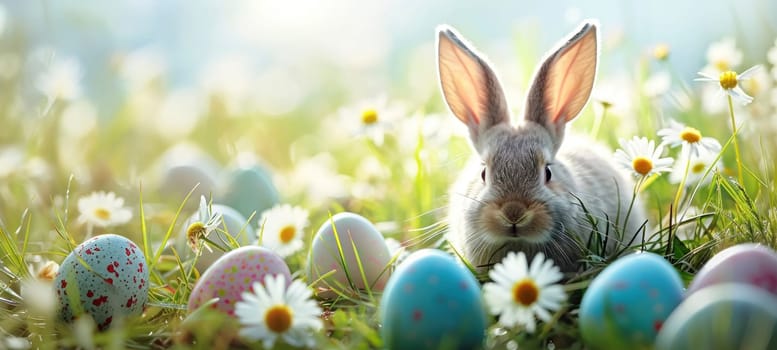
[722, 316]
[432, 302]
[236, 225]
[627, 303]
[105, 277]
[249, 190]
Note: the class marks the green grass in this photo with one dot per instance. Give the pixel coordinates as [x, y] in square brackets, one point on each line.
[38, 211]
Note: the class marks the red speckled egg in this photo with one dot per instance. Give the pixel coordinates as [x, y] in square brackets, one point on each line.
[105, 277]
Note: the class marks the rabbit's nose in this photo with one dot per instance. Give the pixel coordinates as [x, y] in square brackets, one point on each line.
[516, 213]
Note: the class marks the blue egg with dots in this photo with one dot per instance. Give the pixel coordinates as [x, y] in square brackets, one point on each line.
[431, 301]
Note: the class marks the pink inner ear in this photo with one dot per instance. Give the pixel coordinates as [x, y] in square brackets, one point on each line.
[570, 79]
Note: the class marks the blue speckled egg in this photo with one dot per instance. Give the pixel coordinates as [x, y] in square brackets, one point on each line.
[627, 303]
[249, 189]
[114, 282]
[432, 302]
[722, 316]
[236, 225]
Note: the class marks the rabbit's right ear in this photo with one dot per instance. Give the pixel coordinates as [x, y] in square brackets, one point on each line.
[469, 85]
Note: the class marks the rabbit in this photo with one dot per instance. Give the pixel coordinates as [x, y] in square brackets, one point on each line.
[525, 188]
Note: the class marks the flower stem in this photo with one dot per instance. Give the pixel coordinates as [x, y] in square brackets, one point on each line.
[681, 187]
[734, 136]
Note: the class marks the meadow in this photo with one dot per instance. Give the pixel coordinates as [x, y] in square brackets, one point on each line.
[391, 158]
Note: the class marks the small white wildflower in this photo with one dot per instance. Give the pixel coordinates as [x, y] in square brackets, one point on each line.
[273, 310]
[103, 209]
[690, 138]
[203, 224]
[61, 79]
[520, 291]
[371, 118]
[282, 228]
[722, 56]
[731, 83]
[642, 157]
[698, 165]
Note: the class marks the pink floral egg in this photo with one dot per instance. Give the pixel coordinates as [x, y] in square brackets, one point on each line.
[105, 277]
[749, 263]
[235, 273]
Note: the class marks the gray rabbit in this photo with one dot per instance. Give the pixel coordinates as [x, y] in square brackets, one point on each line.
[525, 189]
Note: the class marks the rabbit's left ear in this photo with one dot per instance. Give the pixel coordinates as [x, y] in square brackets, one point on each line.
[564, 82]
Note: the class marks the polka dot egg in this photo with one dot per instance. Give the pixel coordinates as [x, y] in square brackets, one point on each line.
[432, 301]
[105, 277]
[233, 274]
[627, 303]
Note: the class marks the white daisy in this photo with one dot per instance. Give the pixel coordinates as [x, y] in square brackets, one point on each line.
[642, 157]
[61, 79]
[690, 138]
[282, 227]
[722, 56]
[273, 310]
[103, 209]
[203, 224]
[696, 168]
[519, 291]
[372, 118]
[730, 82]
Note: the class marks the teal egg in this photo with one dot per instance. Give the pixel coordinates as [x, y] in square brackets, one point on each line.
[249, 190]
[723, 316]
[235, 224]
[628, 302]
[432, 302]
[105, 277]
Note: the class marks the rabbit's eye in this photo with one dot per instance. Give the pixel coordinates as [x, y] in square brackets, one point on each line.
[483, 174]
[547, 173]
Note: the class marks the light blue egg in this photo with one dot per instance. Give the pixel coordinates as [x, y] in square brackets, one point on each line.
[235, 224]
[105, 277]
[627, 303]
[249, 190]
[723, 316]
[432, 302]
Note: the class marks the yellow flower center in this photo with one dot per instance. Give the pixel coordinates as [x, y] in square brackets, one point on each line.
[721, 65]
[642, 165]
[525, 292]
[698, 168]
[661, 52]
[48, 272]
[102, 213]
[278, 318]
[369, 116]
[690, 135]
[194, 233]
[728, 80]
[287, 233]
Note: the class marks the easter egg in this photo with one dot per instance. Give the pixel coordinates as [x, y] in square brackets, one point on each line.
[749, 263]
[371, 253]
[249, 189]
[185, 169]
[432, 302]
[236, 224]
[233, 274]
[628, 302]
[105, 277]
[722, 316]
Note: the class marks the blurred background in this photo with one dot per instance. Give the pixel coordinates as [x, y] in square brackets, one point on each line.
[113, 93]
